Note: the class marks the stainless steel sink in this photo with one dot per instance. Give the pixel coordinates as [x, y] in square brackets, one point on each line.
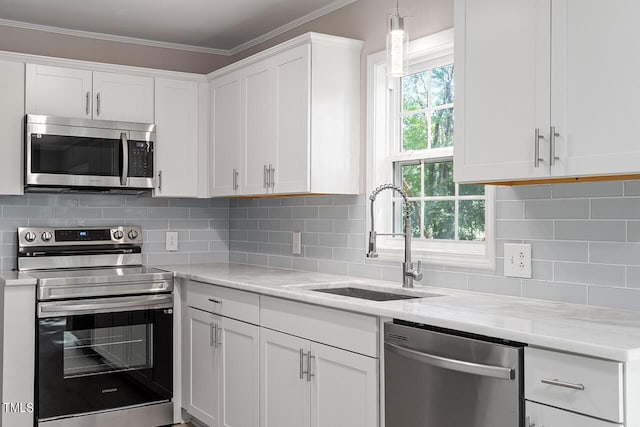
[370, 294]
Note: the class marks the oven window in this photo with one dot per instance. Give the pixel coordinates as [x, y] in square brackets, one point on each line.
[71, 155]
[99, 351]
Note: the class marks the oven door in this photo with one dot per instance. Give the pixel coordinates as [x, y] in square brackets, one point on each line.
[101, 354]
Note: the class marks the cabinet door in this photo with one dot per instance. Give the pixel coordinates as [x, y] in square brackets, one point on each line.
[546, 416]
[291, 153]
[56, 91]
[343, 388]
[11, 127]
[257, 128]
[239, 344]
[226, 125]
[203, 367]
[121, 97]
[284, 390]
[177, 137]
[502, 63]
[595, 89]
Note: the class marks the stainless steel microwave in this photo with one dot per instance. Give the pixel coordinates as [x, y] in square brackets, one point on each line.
[88, 155]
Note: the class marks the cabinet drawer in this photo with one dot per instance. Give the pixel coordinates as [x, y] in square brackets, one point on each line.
[240, 305]
[577, 383]
[342, 329]
[546, 416]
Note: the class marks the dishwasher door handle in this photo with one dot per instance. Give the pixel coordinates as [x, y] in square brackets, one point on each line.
[498, 372]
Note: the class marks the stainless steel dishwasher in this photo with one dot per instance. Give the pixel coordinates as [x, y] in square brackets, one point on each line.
[441, 378]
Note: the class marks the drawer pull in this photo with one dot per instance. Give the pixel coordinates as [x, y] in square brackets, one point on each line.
[558, 383]
[215, 301]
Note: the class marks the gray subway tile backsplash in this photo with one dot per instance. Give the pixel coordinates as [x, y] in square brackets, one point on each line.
[584, 237]
[205, 239]
[591, 230]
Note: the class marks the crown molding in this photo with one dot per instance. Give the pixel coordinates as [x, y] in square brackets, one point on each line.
[177, 46]
[112, 38]
[291, 25]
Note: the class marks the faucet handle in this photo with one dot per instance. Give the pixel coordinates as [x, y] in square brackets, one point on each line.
[417, 274]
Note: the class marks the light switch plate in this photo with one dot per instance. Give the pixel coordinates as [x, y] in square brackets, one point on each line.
[517, 260]
[171, 243]
[296, 247]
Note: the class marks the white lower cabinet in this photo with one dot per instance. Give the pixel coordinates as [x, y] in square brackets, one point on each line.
[285, 392]
[343, 388]
[203, 367]
[305, 383]
[239, 344]
[546, 416]
[570, 390]
[223, 370]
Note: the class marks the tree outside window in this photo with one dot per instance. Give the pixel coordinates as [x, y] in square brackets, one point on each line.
[423, 166]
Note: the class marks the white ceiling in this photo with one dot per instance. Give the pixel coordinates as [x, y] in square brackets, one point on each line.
[215, 26]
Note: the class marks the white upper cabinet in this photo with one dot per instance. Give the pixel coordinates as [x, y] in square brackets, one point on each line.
[121, 97]
[55, 91]
[68, 92]
[11, 127]
[226, 129]
[502, 89]
[545, 89]
[594, 86]
[177, 146]
[292, 91]
[299, 113]
[257, 122]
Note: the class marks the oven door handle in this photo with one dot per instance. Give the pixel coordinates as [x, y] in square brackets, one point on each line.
[498, 372]
[125, 159]
[104, 305]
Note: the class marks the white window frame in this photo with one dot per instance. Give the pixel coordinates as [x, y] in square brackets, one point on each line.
[435, 49]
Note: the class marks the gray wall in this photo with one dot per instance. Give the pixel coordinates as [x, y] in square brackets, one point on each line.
[202, 225]
[87, 49]
[585, 241]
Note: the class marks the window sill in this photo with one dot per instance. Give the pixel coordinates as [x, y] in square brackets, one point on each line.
[451, 259]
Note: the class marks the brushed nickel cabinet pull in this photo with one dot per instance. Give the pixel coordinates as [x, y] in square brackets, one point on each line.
[558, 383]
[212, 339]
[309, 358]
[536, 150]
[88, 101]
[98, 104]
[553, 135]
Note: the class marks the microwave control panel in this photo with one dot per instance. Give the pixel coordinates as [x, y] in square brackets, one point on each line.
[141, 159]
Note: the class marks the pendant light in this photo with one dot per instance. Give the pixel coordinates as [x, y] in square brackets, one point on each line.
[397, 44]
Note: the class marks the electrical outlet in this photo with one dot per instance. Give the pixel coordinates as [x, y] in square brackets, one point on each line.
[296, 247]
[517, 260]
[171, 243]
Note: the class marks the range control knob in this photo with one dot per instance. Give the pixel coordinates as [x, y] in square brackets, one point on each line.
[118, 234]
[46, 236]
[30, 236]
[133, 234]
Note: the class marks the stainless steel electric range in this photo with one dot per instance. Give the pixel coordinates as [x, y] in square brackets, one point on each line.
[104, 346]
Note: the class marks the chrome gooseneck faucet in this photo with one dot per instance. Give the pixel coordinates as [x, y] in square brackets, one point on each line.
[408, 272]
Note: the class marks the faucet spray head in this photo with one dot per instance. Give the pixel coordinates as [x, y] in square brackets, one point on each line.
[372, 245]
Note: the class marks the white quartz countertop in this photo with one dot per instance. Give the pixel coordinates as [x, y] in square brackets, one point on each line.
[594, 331]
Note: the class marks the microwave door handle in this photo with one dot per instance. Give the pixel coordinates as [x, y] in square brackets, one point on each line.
[125, 159]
